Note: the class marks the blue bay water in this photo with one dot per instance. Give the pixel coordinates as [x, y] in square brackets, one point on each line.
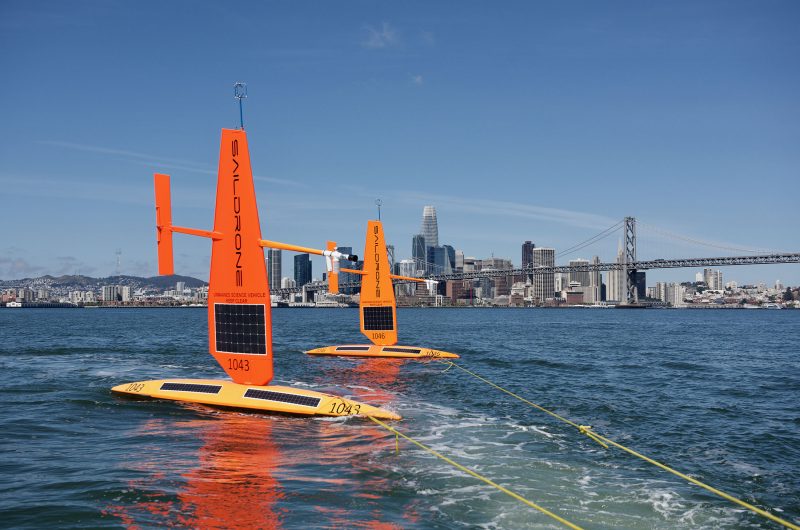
[713, 393]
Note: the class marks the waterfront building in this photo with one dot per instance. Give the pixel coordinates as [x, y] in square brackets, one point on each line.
[674, 294]
[543, 284]
[274, 262]
[180, 286]
[302, 269]
[125, 293]
[288, 283]
[430, 226]
[459, 261]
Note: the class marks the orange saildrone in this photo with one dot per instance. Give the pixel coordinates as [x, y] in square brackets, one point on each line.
[239, 320]
[377, 306]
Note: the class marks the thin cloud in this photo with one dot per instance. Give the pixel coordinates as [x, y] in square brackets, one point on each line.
[162, 163]
[417, 79]
[383, 37]
[511, 209]
[122, 152]
[282, 182]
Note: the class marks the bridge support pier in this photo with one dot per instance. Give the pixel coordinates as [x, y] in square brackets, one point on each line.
[631, 293]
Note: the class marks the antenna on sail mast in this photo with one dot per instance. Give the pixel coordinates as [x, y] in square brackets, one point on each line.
[240, 93]
[378, 203]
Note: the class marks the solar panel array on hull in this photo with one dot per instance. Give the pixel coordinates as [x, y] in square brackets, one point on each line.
[352, 348]
[282, 397]
[378, 318]
[402, 350]
[191, 387]
[240, 328]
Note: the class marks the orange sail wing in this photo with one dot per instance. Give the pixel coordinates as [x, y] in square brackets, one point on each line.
[240, 324]
[377, 308]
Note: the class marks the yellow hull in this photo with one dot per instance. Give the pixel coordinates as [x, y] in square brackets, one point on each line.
[280, 399]
[375, 350]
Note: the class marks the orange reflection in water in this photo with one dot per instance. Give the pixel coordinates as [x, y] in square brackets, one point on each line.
[229, 483]
[233, 478]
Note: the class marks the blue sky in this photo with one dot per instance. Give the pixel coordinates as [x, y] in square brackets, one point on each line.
[547, 121]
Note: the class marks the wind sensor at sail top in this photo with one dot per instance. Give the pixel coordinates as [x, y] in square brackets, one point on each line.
[378, 307]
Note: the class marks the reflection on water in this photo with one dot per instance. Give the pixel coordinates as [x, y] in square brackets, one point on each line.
[232, 465]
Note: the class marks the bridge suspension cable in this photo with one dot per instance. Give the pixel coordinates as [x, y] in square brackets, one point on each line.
[704, 243]
[602, 235]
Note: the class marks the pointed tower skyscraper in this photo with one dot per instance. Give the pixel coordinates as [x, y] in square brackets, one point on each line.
[430, 227]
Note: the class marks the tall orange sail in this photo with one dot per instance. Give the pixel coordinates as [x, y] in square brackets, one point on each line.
[377, 308]
[239, 320]
[240, 324]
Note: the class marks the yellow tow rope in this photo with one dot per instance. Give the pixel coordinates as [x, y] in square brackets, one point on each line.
[605, 442]
[476, 475]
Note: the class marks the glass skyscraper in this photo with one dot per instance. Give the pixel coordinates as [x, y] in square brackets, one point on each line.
[302, 269]
[430, 227]
[274, 259]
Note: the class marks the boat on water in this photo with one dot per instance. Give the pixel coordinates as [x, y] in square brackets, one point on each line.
[239, 316]
[378, 306]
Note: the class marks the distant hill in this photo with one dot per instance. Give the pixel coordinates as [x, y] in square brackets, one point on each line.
[85, 283]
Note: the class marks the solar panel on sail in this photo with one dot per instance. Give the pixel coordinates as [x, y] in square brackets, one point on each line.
[240, 328]
[378, 318]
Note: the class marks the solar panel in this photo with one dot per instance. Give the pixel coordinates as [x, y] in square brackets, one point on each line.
[191, 387]
[282, 397]
[240, 328]
[378, 318]
[352, 348]
[402, 350]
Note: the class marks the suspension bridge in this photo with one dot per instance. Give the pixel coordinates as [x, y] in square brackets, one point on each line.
[626, 262]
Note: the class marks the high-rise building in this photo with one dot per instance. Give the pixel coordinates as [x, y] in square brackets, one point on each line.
[274, 262]
[302, 269]
[436, 258]
[543, 284]
[527, 253]
[713, 279]
[593, 294]
[459, 261]
[346, 277]
[615, 289]
[582, 277]
[180, 287]
[287, 283]
[450, 258]
[418, 252]
[430, 227]
[407, 268]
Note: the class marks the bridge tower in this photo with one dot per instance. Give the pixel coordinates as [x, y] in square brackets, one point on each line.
[631, 293]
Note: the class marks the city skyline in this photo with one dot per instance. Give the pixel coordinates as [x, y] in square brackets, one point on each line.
[552, 125]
